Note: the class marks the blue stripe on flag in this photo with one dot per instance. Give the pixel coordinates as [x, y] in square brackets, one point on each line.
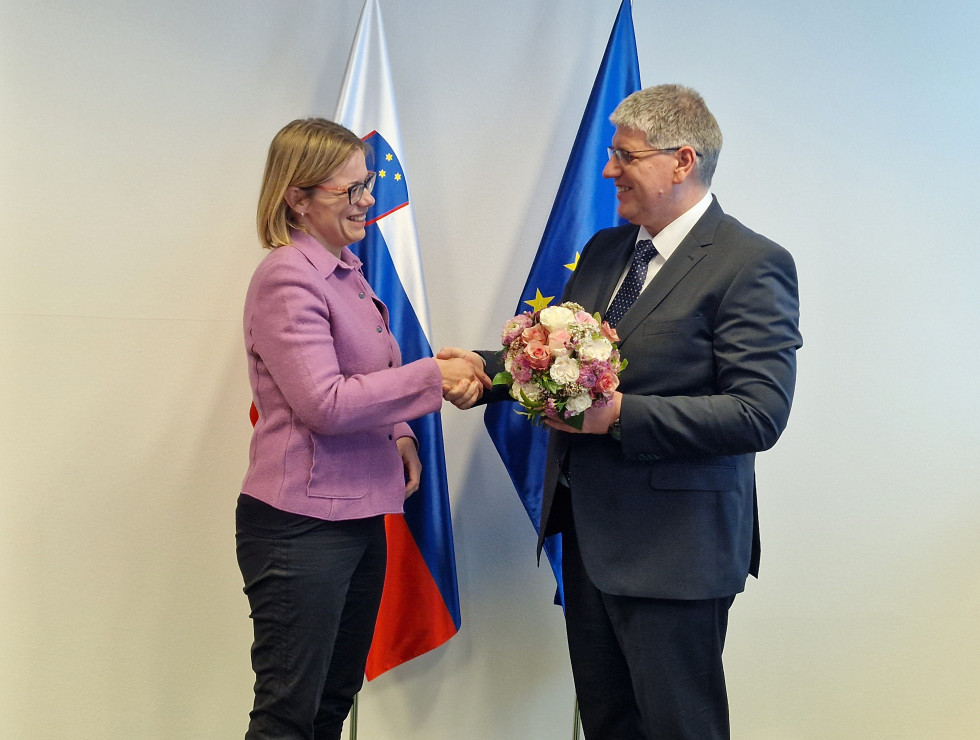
[427, 511]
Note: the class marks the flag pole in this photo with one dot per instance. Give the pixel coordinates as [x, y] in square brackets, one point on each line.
[576, 721]
[352, 719]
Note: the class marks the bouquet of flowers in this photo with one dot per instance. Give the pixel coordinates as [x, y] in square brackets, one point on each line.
[560, 361]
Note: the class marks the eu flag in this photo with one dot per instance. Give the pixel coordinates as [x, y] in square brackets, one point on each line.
[585, 203]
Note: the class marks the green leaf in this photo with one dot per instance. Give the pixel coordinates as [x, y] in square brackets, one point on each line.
[533, 415]
[576, 421]
[503, 378]
[527, 402]
[550, 385]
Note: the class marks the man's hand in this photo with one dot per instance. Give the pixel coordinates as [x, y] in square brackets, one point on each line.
[449, 353]
[467, 391]
[597, 420]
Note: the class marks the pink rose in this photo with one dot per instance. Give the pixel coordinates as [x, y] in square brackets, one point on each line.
[583, 318]
[559, 341]
[608, 332]
[536, 333]
[538, 355]
[607, 383]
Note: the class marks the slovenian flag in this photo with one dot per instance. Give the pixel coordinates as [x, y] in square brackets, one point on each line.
[585, 203]
[420, 605]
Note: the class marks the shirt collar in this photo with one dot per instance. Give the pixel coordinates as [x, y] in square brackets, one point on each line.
[318, 255]
[673, 233]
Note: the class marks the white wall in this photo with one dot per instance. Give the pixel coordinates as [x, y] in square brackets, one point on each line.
[134, 135]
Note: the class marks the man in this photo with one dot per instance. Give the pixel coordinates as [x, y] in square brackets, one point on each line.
[655, 496]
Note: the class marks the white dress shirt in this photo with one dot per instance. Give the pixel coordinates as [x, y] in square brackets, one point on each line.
[667, 240]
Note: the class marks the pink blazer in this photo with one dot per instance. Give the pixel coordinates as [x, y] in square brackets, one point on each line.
[329, 386]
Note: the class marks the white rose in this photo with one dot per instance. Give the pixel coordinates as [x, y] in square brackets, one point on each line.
[595, 349]
[556, 317]
[531, 390]
[564, 370]
[577, 404]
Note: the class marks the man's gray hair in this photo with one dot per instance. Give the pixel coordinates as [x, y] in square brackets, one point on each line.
[673, 116]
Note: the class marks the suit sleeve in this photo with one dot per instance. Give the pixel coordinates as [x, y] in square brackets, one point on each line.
[754, 340]
[493, 364]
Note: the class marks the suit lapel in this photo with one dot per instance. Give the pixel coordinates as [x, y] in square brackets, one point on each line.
[688, 253]
[595, 290]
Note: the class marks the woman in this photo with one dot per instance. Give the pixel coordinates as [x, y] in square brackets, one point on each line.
[331, 452]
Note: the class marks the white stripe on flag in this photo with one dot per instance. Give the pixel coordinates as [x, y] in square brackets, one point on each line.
[367, 103]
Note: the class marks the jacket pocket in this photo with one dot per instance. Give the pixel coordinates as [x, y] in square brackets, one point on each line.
[344, 467]
[690, 477]
[686, 325]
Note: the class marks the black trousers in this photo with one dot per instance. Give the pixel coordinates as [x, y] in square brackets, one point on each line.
[314, 598]
[644, 669]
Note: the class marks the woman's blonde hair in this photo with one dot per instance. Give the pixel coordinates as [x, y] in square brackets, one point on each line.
[304, 153]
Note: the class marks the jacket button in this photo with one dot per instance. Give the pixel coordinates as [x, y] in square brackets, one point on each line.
[390, 436]
[361, 294]
[379, 330]
[390, 363]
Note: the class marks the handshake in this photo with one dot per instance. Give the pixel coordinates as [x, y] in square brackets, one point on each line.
[463, 376]
[464, 379]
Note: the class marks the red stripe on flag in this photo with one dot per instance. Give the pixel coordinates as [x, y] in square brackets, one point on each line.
[413, 618]
[378, 218]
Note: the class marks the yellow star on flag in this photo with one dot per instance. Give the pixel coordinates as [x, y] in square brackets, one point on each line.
[381, 173]
[539, 301]
[398, 177]
[574, 264]
[388, 157]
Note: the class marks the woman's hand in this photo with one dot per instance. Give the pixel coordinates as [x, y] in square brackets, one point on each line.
[411, 463]
[464, 394]
[463, 377]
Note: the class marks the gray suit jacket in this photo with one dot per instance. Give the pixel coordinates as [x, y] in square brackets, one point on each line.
[670, 511]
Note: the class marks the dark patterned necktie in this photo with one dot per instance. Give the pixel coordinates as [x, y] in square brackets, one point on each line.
[632, 285]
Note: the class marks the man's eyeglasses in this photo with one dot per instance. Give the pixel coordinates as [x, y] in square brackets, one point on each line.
[625, 157]
[356, 191]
